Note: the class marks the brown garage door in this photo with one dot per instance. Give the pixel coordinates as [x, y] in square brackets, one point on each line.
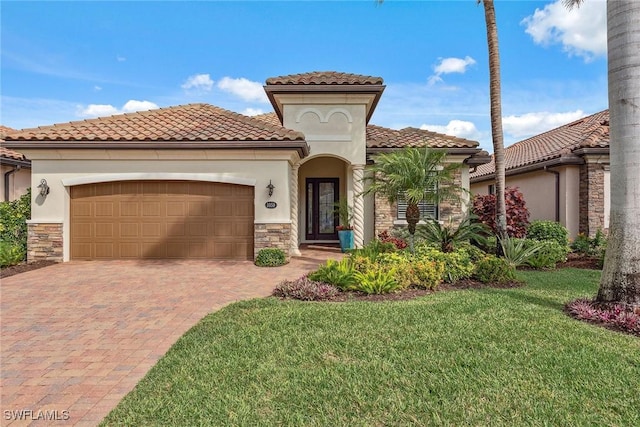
[161, 219]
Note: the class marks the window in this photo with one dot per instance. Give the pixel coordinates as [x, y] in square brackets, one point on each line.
[427, 210]
[492, 189]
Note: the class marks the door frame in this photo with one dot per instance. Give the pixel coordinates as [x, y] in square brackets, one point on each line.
[314, 210]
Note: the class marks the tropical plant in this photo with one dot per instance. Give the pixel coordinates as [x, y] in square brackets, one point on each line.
[305, 289]
[376, 281]
[620, 280]
[270, 257]
[417, 174]
[449, 237]
[457, 264]
[398, 242]
[495, 98]
[374, 248]
[517, 251]
[10, 254]
[586, 245]
[337, 273]
[345, 214]
[484, 207]
[13, 222]
[549, 254]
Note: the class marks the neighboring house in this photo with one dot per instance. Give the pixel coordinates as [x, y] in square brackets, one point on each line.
[197, 181]
[15, 170]
[563, 174]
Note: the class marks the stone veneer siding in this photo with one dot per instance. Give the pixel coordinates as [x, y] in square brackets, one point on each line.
[591, 198]
[44, 242]
[386, 214]
[272, 236]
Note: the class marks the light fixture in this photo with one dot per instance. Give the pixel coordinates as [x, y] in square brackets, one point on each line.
[44, 187]
[270, 187]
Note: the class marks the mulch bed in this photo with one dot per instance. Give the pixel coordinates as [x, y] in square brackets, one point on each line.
[23, 267]
[581, 261]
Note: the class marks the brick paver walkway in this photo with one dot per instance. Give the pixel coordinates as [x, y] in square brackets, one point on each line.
[77, 337]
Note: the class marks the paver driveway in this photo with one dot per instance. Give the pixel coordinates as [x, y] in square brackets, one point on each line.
[76, 337]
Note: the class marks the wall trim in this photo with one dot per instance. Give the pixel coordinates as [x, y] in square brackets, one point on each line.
[158, 176]
[273, 221]
[45, 221]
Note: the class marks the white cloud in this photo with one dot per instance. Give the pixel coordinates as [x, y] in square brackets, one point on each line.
[120, 58]
[101, 110]
[450, 65]
[582, 31]
[530, 124]
[198, 82]
[97, 88]
[459, 128]
[243, 88]
[252, 111]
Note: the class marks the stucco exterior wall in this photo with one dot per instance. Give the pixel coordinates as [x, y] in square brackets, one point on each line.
[539, 190]
[246, 167]
[19, 182]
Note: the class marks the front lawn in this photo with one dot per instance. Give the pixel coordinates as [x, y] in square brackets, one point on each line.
[471, 357]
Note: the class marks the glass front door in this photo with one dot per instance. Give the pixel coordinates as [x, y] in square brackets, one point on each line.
[321, 219]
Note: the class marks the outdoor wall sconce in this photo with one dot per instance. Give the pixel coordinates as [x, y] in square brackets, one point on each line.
[270, 187]
[44, 187]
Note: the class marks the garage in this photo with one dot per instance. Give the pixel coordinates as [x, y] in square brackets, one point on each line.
[162, 220]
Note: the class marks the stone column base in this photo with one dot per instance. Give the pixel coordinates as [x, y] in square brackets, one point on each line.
[272, 236]
[44, 242]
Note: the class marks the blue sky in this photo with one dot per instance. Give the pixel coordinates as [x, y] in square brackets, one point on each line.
[66, 61]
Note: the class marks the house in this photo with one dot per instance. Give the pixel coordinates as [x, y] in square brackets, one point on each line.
[15, 170]
[198, 181]
[563, 174]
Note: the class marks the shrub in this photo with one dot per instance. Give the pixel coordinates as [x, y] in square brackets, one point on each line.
[10, 254]
[376, 281]
[492, 269]
[585, 245]
[398, 242]
[428, 274]
[457, 264]
[518, 251]
[548, 230]
[474, 252]
[337, 273]
[270, 257]
[13, 222]
[372, 249]
[548, 255]
[305, 289]
[484, 207]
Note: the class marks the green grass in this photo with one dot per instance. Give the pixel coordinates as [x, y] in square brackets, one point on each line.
[473, 357]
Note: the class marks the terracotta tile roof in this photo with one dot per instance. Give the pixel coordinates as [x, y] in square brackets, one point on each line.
[325, 78]
[380, 137]
[589, 132]
[192, 122]
[5, 152]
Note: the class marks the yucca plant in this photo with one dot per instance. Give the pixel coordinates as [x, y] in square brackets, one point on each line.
[417, 174]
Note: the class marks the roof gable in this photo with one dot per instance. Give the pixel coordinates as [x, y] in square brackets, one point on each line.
[5, 152]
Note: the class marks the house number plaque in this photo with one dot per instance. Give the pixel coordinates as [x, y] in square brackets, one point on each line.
[270, 205]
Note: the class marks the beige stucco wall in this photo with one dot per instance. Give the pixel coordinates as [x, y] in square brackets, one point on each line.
[333, 124]
[19, 182]
[247, 167]
[538, 188]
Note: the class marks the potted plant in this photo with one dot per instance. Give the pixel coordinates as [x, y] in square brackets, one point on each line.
[345, 229]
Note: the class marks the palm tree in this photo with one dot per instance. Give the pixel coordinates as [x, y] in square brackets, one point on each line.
[620, 281]
[416, 175]
[496, 119]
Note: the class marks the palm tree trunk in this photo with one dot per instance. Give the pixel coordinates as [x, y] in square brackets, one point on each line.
[413, 217]
[496, 119]
[620, 280]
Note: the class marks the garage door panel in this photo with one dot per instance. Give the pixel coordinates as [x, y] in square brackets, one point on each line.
[161, 219]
